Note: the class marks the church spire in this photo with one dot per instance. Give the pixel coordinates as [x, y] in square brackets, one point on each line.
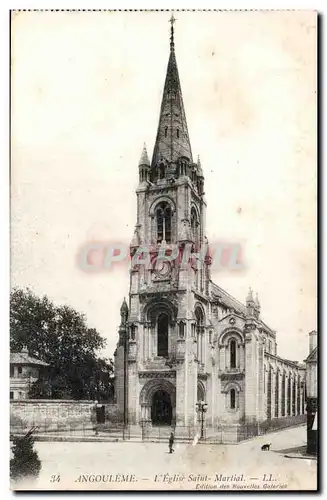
[144, 160]
[172, 140]
[144, 166]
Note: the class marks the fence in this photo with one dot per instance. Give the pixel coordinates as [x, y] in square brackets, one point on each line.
[64, 419]
[161, 433]
[50, 429]
[246, 431]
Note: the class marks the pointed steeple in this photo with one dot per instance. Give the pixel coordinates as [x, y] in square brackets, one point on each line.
[124, 312]
[200, 171]
[249, 297]
[172, 140]
[144, 166]
[144, 160]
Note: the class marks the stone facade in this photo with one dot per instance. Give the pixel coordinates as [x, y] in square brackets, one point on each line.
[188, 340]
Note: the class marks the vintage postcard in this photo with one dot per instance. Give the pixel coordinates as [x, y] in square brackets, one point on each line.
[163, 326]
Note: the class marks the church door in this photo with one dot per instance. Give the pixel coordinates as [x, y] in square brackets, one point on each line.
[161, 410]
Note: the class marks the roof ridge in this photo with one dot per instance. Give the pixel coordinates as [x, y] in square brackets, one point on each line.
[228, 294]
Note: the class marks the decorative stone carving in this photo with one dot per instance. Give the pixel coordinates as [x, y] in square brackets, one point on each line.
[230, 376]
[157, 374]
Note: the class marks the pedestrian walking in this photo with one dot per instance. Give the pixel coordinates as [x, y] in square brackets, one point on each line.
[171, 442]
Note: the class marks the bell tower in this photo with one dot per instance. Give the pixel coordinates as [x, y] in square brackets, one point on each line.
[165, 328]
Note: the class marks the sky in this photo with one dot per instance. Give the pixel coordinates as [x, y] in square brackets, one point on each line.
[86, 89]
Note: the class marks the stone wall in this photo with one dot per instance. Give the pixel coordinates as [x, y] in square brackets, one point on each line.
[55, 414]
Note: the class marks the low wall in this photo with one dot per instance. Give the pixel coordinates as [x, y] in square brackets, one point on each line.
[51, 414]
[282, 423]
[246, 431]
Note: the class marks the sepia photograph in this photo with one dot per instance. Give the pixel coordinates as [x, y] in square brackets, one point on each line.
[163, 225]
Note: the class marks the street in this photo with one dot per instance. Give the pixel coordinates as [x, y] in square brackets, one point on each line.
[135, 466]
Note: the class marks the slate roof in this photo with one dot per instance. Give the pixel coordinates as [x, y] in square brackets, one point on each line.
[23, 358]
[231, 303]
[227, 299]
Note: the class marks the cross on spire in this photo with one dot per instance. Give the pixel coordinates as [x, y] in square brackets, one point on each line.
[172, 20]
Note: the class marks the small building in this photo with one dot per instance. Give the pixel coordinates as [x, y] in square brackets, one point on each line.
[24, 371]
[312, 394]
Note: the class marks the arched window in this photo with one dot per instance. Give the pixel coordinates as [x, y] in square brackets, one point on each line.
[232, 399]
[199, 333]
[161, 171]
[177, 133]
[166, 131]
[162, 335]
[163, 222]
[194, 224]
[232, 353]
[133, 332]
[289, 396]
[181, 329]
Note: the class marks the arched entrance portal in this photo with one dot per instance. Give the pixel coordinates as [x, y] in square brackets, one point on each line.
[161, 408]
[158, 402]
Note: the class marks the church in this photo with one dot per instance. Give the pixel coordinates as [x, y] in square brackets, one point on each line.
[187, 341]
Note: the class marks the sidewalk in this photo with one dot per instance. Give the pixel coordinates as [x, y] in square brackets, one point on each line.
[298, 452]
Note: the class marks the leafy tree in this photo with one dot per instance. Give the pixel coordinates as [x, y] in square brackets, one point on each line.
[60, 336]
[25, 462]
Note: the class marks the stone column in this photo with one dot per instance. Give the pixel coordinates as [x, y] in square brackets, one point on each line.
[296, 395]
[191, 397]
[181, 394]
[222, 364]
[204, 341]
[286, 394]
[251, 379]
[203, 345]
[144, 341]
[153, 340]
[145, 419]
[226, 357]
[260, 387]
[238, 355]
[211, 388]
[133, 394]
[273, 393]
[291, 394]
[279, 394]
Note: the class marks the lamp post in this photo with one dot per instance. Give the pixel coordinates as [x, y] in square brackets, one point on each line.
[202, 407]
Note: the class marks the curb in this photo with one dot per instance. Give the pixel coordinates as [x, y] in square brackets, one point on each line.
[301, 457]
